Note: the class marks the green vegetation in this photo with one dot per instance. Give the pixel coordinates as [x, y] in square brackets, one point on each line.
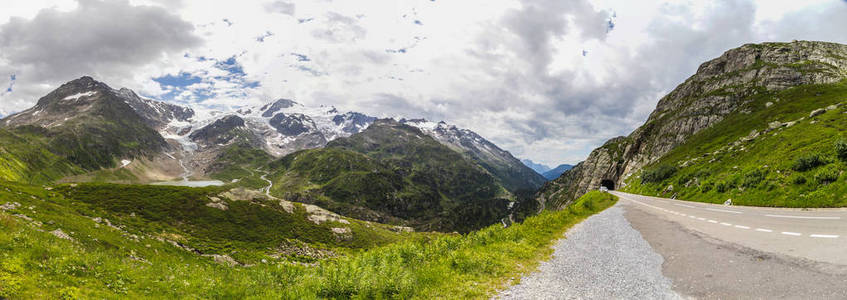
[241, 162]
[798, 162]
[245, 228]
[808, 162]
[24, 158]
[658, 174]
[394, 173]
[135, 259]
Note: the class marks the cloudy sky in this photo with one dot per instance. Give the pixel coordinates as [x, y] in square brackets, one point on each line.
[548, 80]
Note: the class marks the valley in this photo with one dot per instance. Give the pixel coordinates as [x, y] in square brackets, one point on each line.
[105, 194]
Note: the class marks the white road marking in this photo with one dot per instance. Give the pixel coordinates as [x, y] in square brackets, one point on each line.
[826, 236]
[684, 215]
[713, 221]
[803, 217]
[724, 210]
[791, 233]
[693, 217]
[742, 227]
[726, 224]
[684, 205]
[701, 219]
[763, 230]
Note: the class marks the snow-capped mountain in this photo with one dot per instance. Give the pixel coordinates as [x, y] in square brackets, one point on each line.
[197, 136]
[511, 171]
[285, 126]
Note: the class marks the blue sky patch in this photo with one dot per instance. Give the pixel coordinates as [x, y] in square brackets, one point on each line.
[301, 57]
[230, 65]
[12, 79]
[180, 80]
[265, 35]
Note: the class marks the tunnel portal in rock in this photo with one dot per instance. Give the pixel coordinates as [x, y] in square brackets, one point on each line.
[608, 184]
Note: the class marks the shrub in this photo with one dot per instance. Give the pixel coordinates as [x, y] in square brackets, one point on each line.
[798, 179]
[808, 162]
[706, 187]
[827, 175]
[722, 187]
[753, 178]
[658, 174]
[841, 150]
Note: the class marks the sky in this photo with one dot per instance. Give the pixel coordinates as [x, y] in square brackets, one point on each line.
[547, 80]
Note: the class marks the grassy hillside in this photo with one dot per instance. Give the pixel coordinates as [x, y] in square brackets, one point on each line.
[243, 163]
[58, 246]
[393, 173]
[24, 158]
[776, 155]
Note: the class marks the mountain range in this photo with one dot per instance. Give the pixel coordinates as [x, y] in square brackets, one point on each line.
[544, 170]
[87, 131]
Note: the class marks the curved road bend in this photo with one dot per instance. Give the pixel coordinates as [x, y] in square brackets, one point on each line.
[815, 234]
[706, 251]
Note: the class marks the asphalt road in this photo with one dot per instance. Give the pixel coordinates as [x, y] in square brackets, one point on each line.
[702, 267]
[818, 235]
[706, 251]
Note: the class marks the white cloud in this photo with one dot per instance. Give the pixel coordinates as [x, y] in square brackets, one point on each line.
[512, 70]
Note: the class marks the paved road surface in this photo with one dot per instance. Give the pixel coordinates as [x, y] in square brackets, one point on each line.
[818, 235]
[706, 251]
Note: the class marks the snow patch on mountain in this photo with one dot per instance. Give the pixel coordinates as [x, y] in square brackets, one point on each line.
[77, 96]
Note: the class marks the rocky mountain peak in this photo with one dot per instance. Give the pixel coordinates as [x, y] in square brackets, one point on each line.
[271, 108]
[721, 86]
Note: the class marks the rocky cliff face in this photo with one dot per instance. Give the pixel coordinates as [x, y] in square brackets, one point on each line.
[720, 87]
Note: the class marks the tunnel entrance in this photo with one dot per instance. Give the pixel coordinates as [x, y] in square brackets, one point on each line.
[608, 184]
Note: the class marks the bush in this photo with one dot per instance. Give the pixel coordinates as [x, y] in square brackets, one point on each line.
[841, 150]
[722, 187]
[808, 162]
[827, 175]
[706, 187]
[798, 179]
[658, 174]
[753, 178]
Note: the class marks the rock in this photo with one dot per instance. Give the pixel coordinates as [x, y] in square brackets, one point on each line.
[401, 229]
[10, 206]
[319, 215]
[832, 107]
[817, 112]
[223, 259]
[340, 230]
[342, 233]
[769, 104]
[775, 124]
[218, 205]
[287, 206]
[669, 188]
[61, 234]
[728, 202]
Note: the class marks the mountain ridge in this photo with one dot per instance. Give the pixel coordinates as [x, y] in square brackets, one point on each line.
[721, 87]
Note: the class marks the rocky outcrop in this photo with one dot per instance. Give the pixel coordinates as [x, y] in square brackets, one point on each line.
[720, 87]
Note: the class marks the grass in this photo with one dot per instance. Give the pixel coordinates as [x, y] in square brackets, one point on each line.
[790, 166]
[105, 262]
[394, 173]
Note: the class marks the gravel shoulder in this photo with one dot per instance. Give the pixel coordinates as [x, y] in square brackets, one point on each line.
[601, 258]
